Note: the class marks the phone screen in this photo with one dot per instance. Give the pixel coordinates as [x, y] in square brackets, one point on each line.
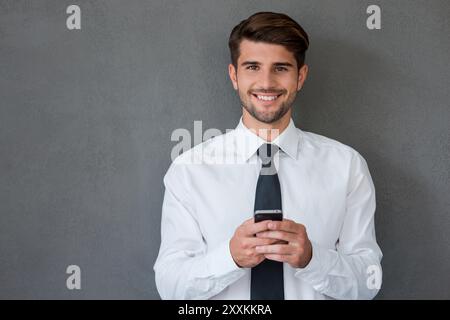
[261, 215]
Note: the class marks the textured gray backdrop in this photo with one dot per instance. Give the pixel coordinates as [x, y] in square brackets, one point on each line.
[86, 118]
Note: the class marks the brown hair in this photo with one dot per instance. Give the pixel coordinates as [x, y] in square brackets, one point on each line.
[270, 27]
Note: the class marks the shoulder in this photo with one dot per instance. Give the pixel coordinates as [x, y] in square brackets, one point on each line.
[319, 144]
[333, 152]
[203, 153]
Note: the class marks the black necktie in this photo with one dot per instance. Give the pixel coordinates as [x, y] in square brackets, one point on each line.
[267, 277]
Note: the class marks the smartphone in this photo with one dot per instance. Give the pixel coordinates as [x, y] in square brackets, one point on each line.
[261, 215]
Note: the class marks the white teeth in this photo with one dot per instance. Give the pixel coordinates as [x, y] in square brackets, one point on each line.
[267, 98]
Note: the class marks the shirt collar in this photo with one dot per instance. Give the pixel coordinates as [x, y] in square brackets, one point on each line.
[248, 142]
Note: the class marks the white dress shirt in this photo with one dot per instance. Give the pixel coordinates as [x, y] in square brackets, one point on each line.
[210, 191]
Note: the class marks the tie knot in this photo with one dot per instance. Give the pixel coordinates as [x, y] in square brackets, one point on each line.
[266, 152]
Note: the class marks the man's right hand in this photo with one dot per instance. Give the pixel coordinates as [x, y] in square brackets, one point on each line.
[243, 243]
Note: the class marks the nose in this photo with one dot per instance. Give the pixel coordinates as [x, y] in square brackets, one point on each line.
[267, 80]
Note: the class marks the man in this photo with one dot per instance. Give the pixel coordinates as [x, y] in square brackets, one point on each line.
[325, 246]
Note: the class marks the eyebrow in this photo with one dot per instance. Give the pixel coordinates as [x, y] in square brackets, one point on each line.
[277, 64]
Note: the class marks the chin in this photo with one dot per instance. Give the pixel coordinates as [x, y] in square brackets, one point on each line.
[266, 118]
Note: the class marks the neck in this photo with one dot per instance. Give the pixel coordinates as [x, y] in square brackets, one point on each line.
[267, 131]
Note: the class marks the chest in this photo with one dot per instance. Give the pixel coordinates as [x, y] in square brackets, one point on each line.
[224, 198]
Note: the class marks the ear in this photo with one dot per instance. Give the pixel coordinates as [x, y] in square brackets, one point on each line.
[233, 76]
[302, 74]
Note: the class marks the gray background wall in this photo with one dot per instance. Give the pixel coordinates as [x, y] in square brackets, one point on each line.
[86, 118]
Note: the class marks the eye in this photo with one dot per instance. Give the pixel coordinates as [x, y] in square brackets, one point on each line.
[252, 67]
[280, 68]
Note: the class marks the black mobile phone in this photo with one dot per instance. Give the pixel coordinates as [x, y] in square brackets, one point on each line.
[261, 215]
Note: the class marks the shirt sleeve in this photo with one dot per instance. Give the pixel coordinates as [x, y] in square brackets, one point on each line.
[186, 267]
[353, 270]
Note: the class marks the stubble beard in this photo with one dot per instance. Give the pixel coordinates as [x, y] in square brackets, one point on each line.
[265, 115]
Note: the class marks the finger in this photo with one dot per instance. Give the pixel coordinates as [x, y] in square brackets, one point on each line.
[278, 257]
[276, 249]
[252, 229]
[243, 227]
[281, 235]
[286, 225]
[253, 242]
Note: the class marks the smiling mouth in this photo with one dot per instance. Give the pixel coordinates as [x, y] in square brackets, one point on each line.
[266, 97]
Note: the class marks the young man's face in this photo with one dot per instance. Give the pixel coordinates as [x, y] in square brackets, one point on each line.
[267, 78]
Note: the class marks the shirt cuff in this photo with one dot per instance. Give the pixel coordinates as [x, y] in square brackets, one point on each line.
[315, 273]
[221, 261]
